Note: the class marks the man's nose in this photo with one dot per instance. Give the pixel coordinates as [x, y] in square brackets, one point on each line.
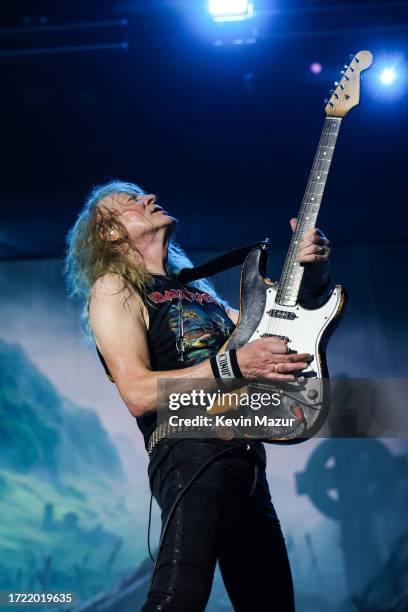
[150, 198]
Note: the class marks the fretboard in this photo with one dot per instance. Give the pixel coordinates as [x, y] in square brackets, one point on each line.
[292, 272]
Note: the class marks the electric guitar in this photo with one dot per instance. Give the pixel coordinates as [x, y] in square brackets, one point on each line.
[270, 309]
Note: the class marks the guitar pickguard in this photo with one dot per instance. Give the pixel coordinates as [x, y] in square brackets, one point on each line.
[307, 331]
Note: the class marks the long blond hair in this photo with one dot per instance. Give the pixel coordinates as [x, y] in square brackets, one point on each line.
[89, 255]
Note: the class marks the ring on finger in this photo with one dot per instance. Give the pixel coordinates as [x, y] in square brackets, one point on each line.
[321, 250]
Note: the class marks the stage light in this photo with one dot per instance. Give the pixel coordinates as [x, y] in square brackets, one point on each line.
[388, 81]
[388, 76]
[316, 68]
[230, 10]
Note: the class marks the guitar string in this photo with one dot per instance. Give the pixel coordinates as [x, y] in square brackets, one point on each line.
[274, 326]
[318, 167]
[329, 123]
[328, 139]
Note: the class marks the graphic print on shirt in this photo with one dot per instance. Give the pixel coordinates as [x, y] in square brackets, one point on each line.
[158, 297]
[206, 324]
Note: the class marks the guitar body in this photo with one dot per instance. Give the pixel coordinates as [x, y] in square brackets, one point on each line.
[307, 331]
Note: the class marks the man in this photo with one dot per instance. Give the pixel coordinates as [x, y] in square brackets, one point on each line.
[121, 258]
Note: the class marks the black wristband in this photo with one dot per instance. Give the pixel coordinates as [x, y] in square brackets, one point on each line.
[214, 367]
[225, 365]
[234, 362]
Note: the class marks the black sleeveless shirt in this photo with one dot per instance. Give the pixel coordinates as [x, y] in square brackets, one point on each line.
[206, 327]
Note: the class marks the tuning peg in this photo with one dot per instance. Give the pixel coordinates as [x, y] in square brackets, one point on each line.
[326, 101]
[351, 55]
[341, 71]
[345, 65]
[331, 91]
[336, 83]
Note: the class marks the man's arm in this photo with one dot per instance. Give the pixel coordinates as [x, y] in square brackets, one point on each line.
[314, 253]
[119, 325]
[315, 291]
[119, 328]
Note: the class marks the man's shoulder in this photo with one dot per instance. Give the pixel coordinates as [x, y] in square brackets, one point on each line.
[107, 284]
[111, 289]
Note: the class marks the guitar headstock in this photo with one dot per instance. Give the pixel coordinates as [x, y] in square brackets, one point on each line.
[347, 92]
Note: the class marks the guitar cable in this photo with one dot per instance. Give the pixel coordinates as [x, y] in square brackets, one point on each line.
[175, 503]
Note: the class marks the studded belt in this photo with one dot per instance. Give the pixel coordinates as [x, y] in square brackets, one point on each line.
[165, 430]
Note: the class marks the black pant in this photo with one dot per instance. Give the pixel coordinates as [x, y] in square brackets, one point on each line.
[226, 515]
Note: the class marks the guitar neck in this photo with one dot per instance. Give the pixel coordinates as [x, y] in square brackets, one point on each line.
[292, 273]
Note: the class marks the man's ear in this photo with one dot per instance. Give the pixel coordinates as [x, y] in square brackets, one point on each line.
[112, 233]
[109, 233]
[107, 225]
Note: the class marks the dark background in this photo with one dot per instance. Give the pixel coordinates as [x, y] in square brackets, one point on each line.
[225, 135]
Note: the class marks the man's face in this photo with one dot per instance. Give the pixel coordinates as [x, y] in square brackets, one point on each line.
[138, 213]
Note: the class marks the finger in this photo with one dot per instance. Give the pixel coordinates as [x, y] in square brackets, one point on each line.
[314, 258]
[310, 240]
[285, 368]
[315, 231]
[276, 345]
[276, 376]
[291, 357]
[310, 235]
[318, 249]
[296, 357]
[319, 231]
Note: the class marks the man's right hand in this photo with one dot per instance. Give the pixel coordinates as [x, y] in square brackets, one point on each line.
[270, 358]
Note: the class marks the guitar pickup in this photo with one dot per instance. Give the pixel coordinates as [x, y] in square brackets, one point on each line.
[276, 336]
[281, 314]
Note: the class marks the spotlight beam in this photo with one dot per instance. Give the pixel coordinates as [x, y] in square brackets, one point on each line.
[388, 76]
[230, 10]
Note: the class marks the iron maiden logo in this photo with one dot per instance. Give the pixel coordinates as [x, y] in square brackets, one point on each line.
[158, 297]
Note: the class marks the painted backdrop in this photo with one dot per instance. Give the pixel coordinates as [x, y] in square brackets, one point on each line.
[73, 487]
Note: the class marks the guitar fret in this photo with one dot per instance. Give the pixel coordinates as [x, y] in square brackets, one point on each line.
[292, 273]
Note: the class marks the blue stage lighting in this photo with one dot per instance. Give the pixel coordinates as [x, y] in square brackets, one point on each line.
[231, 10]
[388, 81]
[388, 76]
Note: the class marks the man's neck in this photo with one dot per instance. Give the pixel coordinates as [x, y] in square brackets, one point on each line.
[156, 269]
[154, 253]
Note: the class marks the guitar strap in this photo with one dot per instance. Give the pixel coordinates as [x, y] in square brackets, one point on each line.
[232, 258]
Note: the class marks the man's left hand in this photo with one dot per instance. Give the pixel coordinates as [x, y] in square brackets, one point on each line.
[314, 248]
